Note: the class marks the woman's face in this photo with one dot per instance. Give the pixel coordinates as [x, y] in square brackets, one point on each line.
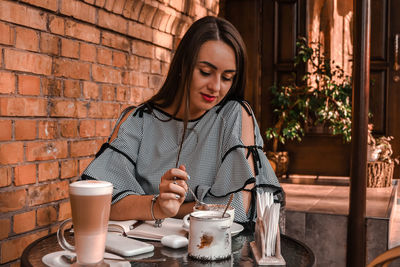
[212, 76]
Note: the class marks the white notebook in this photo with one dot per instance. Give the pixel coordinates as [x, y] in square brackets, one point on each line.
[147, 231]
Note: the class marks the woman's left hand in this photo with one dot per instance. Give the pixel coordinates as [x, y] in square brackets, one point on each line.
[173, 188]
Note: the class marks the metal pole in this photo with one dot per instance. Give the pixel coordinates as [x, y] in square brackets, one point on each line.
[356, 229]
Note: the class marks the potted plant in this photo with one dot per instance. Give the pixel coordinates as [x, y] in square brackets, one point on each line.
[380, 160]
[322, 97]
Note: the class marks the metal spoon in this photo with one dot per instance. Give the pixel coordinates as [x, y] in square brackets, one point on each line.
[198, 202]
[227, 205]
[71, 259]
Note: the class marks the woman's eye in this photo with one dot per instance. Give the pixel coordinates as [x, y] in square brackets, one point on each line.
[227, 78]
[204, 73]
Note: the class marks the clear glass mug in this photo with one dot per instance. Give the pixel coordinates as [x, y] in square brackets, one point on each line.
[90, 206]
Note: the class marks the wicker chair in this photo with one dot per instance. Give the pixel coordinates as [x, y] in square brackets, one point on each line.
[386, 257]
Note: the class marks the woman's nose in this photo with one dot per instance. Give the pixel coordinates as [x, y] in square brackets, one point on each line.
[215, 83]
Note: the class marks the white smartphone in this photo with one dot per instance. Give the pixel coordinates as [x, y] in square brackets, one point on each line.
[125, 246]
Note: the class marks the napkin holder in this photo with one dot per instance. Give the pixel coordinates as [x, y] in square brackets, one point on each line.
[258, 247]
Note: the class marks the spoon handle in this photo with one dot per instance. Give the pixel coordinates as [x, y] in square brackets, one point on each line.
[227, 205]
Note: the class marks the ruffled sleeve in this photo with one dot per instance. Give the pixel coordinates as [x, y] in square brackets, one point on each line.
[116, 160]
[234, 171]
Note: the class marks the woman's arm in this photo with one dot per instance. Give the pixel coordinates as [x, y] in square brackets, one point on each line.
[248, 140]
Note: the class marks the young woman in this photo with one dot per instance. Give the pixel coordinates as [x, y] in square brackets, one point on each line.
[195, 132]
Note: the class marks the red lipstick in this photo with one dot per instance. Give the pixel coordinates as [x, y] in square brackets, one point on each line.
[208, 98]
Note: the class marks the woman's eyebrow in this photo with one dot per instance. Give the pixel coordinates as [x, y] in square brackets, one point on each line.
[214, 67]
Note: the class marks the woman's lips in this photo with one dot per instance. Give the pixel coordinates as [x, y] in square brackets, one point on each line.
[208, 98]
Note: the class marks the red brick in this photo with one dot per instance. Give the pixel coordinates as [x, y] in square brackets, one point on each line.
[62, 108]
[56, 25]
[46, 150]
[164, 68]
[90, 1]
[69, 48]
[115, 41]
[72, 88]
[28, 85]
[147, 94]
[7, 82]
[12, 249]
[104, 56]
[108, 92]
[87, 128]
[20, 14]
[6, 130]
[136, 95]
[5, 173]
[27, 39]
[47, 4]
[72, 69]
[78, 10]
[11, 153]
[100, 3]
[46, 216]
[122, 93]
[69, 128]
[144, 65]
[28, 62]
[164, 21]
[128, 8]
[24, 222]
[155, 81]
[48, 171]
[106, 74]
[23, 106]
[83, 163]
[155, 67]
[112, 21]
[109, 5]
[87, 52]
[159, 18]
[64, 211]
[25, 129]
[47, 193]
[142, 49]
[147, 14]
[48, 130]
[137, 7]
[162, 39]
[134, 63]
[103, 110]
[69, 168]
[103, 128]
[136, 79]
[140, 31]
[82, 31]
[163, 54]
[85, 148]
[119, 60]
[7, 34]
[4, 228]
[118, 7]
[25, 174]
[82, 108]
[51, 87]
[49, 43]
[168, 25]
[12, 200]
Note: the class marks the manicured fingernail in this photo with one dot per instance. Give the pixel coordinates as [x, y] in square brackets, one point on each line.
[188, 176]
[177, 196]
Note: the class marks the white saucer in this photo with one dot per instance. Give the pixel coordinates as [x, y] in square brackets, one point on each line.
[236, 229]
[54, 259]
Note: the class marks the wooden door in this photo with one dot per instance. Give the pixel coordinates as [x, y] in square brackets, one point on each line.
[275, 26]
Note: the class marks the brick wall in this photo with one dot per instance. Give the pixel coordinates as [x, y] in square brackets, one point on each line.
[67, 69]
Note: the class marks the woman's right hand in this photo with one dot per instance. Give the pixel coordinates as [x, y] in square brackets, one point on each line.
[173, 188]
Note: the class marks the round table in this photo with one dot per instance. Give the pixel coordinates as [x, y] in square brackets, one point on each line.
[294, 252]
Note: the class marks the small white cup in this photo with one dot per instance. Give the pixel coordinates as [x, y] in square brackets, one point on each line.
[220, 208]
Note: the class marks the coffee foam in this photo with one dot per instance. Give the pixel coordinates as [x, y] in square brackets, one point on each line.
[90, 188]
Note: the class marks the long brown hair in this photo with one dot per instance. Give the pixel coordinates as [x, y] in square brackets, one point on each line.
[179, 76]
